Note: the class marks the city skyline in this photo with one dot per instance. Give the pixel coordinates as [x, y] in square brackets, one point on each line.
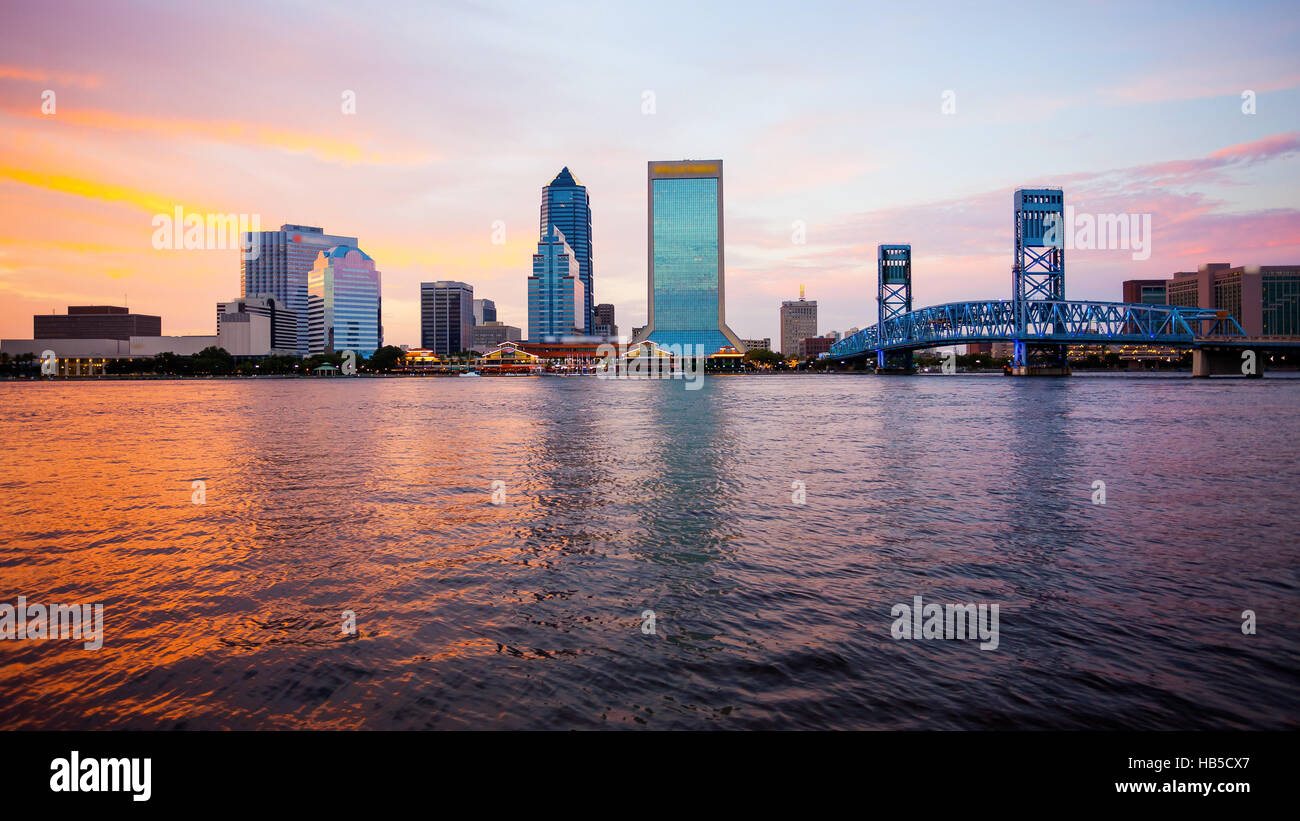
[82, 183]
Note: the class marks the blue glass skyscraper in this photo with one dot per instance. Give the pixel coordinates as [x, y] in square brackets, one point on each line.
[686, 296]
[567, 206]
[282, 265]
[555, 293]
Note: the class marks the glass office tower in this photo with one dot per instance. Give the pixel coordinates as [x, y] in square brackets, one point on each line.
[686, 299]
[567, 206]
[283, 262]
[555, 291]
[446, 316]
[343, 303]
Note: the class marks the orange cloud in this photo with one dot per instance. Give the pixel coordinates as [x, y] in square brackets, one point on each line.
[37, 75]
[90, 189]
[296, 142]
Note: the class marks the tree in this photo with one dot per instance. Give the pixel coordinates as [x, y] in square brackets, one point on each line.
[386, 358]
[762, 357]
[213, 360]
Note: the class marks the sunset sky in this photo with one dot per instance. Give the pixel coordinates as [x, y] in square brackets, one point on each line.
[825, 113]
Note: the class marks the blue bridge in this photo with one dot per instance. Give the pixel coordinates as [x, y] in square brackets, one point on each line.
[1037, 319]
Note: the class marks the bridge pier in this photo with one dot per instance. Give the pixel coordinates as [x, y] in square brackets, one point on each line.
[1207, 362]
[897, 363]
[1039, 360]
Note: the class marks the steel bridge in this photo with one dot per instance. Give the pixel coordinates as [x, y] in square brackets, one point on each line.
[1037, 319]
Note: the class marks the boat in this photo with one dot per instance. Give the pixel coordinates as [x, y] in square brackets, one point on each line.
[468, 373]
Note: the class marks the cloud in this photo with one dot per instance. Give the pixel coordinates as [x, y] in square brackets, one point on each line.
[37, 75]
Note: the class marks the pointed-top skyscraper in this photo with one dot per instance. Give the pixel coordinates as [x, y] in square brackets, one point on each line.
[567, 206]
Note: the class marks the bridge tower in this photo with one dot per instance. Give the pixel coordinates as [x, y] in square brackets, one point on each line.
[893, 299]
[1038, 275]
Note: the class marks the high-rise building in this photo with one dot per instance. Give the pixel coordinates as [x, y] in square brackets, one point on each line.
[686, 297]
[798, 321]
[283, 261]
[556, 296]
[604, 324]
[283, 322]
[343, 303]
[95, 322]
[485, 310]
[567, 205]
[446, 316]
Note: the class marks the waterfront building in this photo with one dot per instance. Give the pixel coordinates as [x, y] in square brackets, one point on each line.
[798, 321]
[812, 346]
[1265, 299]
[489, 335]
[485, 310]
[282, 264]
[764, 344]
[997, 350]
[343, 303]
[555, 292]
[567, 205]
[686, 294]
[95, 322]
[283, 322]
[420, 359]
[446, 316]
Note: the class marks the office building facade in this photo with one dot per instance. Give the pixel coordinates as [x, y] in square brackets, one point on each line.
[604, 323]
[95, 322]
[686, 293]
[1145, 291]
[813, 346]
[567, 205]
[283, 323]
[1265, 299]
[344, 307]
[764, 344]
[282, 265]
[556, 294]
[798, 321]
[490, 335]
[446, 316]
[485, 310]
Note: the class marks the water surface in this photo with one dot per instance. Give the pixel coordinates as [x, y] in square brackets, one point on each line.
[375, 496]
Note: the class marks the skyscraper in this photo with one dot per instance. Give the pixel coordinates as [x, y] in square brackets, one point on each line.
[686, 297]
[485, 310]
[604, 322]
[283, 261]
[446, 316]
[343, 303]
[556, 296]
[567, 206]
[798, 322]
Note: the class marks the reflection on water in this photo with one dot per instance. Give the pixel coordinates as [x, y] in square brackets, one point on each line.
[623, 496]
